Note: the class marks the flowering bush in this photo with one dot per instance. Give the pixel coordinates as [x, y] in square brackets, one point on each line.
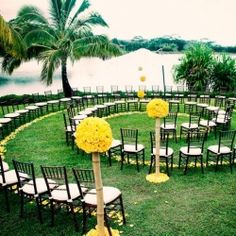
[140, 94]
[142, 78]
[157, 108]
[93, 135]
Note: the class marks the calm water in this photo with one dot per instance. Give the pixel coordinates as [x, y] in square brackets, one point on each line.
[92, 72]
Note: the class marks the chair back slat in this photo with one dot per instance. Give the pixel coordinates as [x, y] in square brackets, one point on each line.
[25, 168]
[85, 177]
[2, 171]
[196, 139]
[129, 136]
[164, 141]
[226, 138]
[58, 174]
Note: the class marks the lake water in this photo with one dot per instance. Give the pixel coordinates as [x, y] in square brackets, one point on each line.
[121, 71]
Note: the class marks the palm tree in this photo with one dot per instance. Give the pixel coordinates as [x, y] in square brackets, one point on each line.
[66, 35]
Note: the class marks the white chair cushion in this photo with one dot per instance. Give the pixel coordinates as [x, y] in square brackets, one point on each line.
[60, 193]
[12, 115]
[193, 151]
[189, 126]
[168, 126]
[131, 148]
[109, 195]
[223, 149]
[115, 143]
[41, 186]
[22, 111]
[163, 152]
[5, 120]
[11, 178]
[119, 102]
[190, 103]
[53, 101]
[212, 108]
[65, 99]
[41, 104]
[32, 107]
[202, 105]
[205, 123]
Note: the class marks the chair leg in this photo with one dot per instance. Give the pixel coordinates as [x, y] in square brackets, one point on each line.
[6, 199]
[136, 155]
[52, 213]
[207, 158]
[143, 155]
[217, 161]
[186, 166]
[171, 162]
[106, 223]
[151, 162]
[230, 163]
[21, 204]
[39, 210]
[84, 218]
[109, 157]
[122, 160]
[122, 209]
[201, 159]
[179, 159]
[167, 167]
[74, 217]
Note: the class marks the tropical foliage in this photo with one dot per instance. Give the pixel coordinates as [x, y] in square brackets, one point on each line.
[224, 73]
[196, 67]
[201, 69]
[67, 34]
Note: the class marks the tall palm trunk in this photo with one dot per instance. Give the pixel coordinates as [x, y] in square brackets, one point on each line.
[68, 92]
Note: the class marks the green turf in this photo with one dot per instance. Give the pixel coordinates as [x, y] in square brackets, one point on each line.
[195, 204]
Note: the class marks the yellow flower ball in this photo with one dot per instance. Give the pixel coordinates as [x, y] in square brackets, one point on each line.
[93, 135]
[157, 108]
[140, 94]
[142, 78]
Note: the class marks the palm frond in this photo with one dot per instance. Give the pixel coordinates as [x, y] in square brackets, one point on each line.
[31, 14]
[84, 6]
[95, 46]
[67, 7]
[40, 37]
[93, 18]
[55, 11]
[10, 63]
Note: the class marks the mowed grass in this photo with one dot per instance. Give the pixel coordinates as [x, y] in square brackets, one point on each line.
[195, 204]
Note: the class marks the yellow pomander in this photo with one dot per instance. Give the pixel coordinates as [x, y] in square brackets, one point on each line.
[140, 94]
[157, 108]
[142, 78]
[93, 135]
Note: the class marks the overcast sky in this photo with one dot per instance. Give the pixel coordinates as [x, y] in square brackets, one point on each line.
[187, 19]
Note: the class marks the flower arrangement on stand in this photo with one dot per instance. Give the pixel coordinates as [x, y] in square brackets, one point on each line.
[94, 135]
[157, 108]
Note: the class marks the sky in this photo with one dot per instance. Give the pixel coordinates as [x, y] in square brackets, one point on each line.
[213, 20]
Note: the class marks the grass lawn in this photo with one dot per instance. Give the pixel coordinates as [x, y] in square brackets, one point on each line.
[195, 204]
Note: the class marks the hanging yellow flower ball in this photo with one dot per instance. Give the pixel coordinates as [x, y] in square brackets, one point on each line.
[142, 78]
[157, 108]
[93, 134]
[140, 68]
[140, 94]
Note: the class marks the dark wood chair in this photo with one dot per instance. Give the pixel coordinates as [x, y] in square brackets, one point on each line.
[166, 153]
[64, 193]
[113, 201]
[130, 146]
[194, 149]
[33, 189]
[222, 150]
